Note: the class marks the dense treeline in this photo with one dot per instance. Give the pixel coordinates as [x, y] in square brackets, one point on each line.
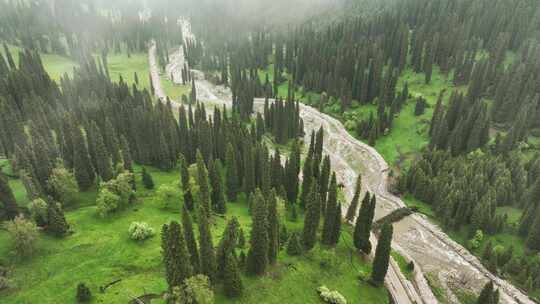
[78, 28]
[465, 191]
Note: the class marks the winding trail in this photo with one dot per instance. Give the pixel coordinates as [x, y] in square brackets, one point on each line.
[415, 237]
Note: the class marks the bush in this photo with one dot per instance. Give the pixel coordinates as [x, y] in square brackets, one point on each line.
[107, 202]
[63, 185]
[147, 180]
[115, 194]
[332, 297]
[83, 293]
[24, 234]
[140, 231]
[293, 246]
[167, 196]
[38, 211]
[328, 260]
[196, 289]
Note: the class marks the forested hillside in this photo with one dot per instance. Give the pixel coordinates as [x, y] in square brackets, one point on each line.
[110, 192]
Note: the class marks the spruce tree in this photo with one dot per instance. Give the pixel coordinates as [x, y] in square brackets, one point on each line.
[204, 187]
[307, 180]
[233, 184]
[312, 218]
[227, 244]
[191, 242]
[56, 221]
[103, 158]
[382, 255]
[217, 196]
[175, 255]
[184, 172]
[324, 177]
[232, 281]
[147, 179]
[488, 295]
[330, 214]
[273, 228]
[353, 206]
[292, 171]
[84, 172]
[336, 231]
[7, 199]
[257, 259]
[126, 154]
[533, 238]
[362, 228]
[294, 246]
[207, 255]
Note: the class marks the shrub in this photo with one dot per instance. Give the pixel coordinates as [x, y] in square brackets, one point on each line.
[115, 194]
[475, 242]
[63, 185]
[147, 180]
[167, 195]
[107, 202]
[38, 211]
[198, 290]
[332, 297]
[328, 260]
[83, 293]
[24, 234]
[293, 246]
[195, 290]
[140, 231]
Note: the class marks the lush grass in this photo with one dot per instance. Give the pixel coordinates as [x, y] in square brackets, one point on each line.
[99, 251]
[16, 185]
[436, 288]
[121, 65]
[409, 133]
[403, 265]
[421, 207]
[173, 90]
[55, 65]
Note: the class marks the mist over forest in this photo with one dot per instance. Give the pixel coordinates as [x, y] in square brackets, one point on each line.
[255, 151]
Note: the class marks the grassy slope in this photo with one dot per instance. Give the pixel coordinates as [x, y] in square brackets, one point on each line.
[406, 139]
[173, 90]
[55, 65]
[409, 132]
[100, 252]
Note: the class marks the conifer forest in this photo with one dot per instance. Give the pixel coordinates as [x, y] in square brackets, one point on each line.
[270, 151]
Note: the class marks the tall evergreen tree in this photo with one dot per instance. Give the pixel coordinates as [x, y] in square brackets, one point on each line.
[353, 206]
[232, 281]
[227, 244]
[204, 187]
[533, 238]
[103, 158]
[175, 255]
[147, 179]
[273, 228]
[217, 196]
[56, 221]
[84, 172]
[7, 199]
[382, 255]
[207, 254]
[191, 242]
[292, 171]
[312, 218]
[328, 236]
[257, 259]
[362, 228]
[233, 184]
